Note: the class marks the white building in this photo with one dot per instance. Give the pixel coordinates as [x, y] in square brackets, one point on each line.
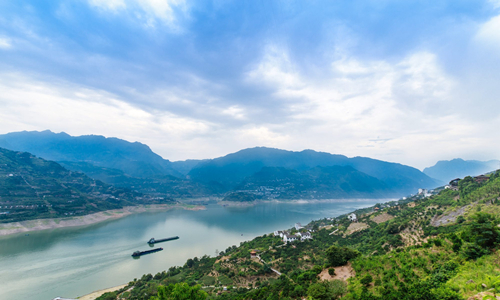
[298, 226]
[305, 236]
[352, 217]
[278, 233]
[290, 238]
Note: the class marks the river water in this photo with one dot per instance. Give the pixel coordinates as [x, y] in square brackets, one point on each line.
[72, 262]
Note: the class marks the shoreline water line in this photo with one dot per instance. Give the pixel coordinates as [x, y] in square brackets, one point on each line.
[7, 229]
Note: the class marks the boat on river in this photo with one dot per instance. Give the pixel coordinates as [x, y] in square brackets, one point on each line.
[153, 241]
[139, 253]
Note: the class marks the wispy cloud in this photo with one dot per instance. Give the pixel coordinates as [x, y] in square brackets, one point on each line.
[149, 12]
[410, 103]
[489, 33]
[112, 5]
[197, 79]
[5, 43]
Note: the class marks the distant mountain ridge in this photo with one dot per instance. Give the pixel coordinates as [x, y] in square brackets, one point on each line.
[315, 183]
[134, 159]
[446, 170]
[230, 170]
[133, 165]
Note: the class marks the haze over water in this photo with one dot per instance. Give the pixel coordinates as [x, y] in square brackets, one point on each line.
[73, 262]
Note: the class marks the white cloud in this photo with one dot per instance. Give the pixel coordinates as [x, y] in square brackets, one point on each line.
[235, 112]
[5, 43]
[29, 104]
[162, 9]
[275, 68]
[149, 12]
[108, 4]
[495, 3]
[407, 104]
[489, 33]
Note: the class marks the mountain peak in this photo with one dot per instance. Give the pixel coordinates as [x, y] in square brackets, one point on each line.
[446, 170]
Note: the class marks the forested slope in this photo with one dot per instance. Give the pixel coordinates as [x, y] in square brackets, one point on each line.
[394, 251]
[34, 188]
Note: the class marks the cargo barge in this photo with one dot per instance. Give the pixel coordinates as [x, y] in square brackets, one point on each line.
[139, 253]
[153, 241]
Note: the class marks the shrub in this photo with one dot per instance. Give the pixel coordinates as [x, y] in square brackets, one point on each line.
[366, 280]
[339, 256]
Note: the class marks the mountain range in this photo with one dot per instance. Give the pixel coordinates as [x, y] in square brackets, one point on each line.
[135, 159]
[282, 174]
[446, 170]
[231, 170]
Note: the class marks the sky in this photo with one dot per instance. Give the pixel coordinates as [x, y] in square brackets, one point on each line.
[411, 82]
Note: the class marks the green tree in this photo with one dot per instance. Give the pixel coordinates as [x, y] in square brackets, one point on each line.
[366, 280]
[326, 290]
[339, 256]
[180, 291]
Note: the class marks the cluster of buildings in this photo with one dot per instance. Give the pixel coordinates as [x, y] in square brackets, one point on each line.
[302, 234]
[425, 192]
[478, 179]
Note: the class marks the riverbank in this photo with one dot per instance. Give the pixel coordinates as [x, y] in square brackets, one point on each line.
[96, 294]
[44, 224]
[294, 201]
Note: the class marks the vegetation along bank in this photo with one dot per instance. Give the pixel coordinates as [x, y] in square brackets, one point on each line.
[439, 247]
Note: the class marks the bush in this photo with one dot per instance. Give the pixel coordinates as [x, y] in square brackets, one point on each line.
[366, 280]
[324, 290]
[339, 256]
[331, 272]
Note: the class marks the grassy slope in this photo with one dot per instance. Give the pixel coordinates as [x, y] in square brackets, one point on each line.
[405, 257]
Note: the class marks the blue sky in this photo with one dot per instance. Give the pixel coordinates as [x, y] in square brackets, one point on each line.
[405, 81]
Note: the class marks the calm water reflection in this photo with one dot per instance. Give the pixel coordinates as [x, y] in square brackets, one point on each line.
[74, 262]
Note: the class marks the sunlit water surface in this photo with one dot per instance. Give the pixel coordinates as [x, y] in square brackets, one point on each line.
[76, 261]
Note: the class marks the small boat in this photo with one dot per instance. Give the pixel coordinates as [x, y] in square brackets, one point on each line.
[153, 241]
[139, 253]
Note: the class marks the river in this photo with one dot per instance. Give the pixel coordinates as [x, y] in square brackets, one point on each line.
[72, 262]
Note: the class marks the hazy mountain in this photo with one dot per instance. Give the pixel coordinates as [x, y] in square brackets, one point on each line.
[446, 170]
[315, 183]
[135, 166]
[134, 159]
[230, 170]
[184, 166]
[31, 187]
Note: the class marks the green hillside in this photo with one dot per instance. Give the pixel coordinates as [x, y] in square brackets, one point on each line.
[33, 188]
[441, 247]
[134, 159]
[156, 186]
[315, 183]
[233, 169]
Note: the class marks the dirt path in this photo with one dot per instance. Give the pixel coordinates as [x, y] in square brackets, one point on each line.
[354, 227]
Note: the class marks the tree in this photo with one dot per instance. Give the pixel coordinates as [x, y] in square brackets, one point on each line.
[366, 280]
[180, 291]
[339, 256]
[324, 290]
